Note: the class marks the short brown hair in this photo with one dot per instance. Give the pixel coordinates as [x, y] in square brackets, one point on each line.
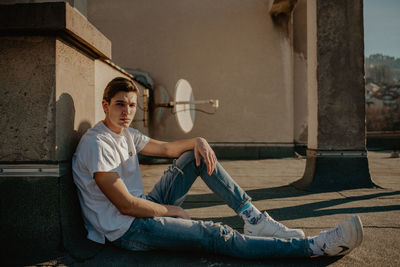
[117, 85]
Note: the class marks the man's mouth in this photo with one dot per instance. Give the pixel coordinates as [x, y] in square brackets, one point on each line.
[125, 119]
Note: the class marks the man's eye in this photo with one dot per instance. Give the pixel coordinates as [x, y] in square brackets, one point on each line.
[132, 105]
[120, 104]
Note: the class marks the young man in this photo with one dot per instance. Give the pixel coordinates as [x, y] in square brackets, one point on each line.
[114, 206]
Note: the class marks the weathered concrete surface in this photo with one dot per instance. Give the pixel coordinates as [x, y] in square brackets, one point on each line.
[336, 75]
[336, 97]
[341, 101]
[27, 82]
[49, 80]
[267, 182]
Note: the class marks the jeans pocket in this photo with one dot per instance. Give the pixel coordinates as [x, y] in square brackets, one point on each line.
[133, 238]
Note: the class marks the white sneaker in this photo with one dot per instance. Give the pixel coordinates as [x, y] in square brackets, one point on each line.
[268, 227]
[342, 239]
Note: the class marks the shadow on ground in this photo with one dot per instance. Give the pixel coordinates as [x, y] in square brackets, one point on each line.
[108, 255]
[314, 209]
[112, 256]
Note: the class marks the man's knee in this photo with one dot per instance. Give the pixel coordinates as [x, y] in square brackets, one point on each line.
[186, 159]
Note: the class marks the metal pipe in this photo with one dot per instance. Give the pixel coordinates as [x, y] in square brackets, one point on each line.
[146, 107]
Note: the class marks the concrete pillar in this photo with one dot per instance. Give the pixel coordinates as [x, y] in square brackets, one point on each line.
[336, 153]
[52, 65]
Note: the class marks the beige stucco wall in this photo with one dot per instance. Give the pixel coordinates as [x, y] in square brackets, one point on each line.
[300, 72]
[51, 94]
[227, 49]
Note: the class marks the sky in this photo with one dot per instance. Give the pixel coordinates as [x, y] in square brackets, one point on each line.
[382, 27]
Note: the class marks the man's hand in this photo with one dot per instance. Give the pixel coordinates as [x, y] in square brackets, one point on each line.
[176, 211]
[203, 150]
[174, 149]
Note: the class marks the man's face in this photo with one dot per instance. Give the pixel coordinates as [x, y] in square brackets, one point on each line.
[120, 111]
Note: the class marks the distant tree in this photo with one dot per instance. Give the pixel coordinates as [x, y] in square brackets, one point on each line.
[380, 74]
[382, 69]
[382, 119]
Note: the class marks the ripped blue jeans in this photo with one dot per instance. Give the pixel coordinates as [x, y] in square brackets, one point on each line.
[169, 233]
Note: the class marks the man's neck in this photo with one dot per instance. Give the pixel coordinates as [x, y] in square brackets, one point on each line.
[117, 130]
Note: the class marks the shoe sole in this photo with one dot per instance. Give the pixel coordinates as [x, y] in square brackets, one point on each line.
[293, 236]
[359, 229]
[245, 232]
[355, 221]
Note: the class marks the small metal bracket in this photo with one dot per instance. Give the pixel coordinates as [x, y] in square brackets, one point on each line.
[337, 153]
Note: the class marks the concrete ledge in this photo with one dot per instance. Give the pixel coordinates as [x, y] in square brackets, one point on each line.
[30, 224]
[54, 18]
[383, 141]
[252, 150]
[41, 217]
[239, 151]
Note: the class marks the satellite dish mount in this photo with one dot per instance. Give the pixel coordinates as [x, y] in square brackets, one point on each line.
[184, 105]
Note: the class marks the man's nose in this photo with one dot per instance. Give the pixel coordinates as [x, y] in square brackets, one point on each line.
[128, 109]
[125, 110]
[131, 109]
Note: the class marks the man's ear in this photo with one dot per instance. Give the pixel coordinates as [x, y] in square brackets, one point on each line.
[105, 104]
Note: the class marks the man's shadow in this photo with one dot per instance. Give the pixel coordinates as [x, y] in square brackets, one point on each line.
[72, 228]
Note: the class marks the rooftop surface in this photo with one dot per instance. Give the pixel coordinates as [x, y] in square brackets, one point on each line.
[268, 183]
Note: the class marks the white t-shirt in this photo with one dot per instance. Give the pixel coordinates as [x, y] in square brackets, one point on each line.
[101, 150]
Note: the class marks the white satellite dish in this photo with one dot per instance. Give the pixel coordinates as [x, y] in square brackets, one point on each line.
[184, 105]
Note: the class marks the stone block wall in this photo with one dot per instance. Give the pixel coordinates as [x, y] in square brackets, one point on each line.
[50, 85]
[27, 80]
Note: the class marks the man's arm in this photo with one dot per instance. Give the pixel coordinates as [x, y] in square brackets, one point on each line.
[115, 190]
[174, 149]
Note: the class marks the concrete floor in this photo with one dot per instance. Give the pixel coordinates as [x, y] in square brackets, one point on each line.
[266, 181]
